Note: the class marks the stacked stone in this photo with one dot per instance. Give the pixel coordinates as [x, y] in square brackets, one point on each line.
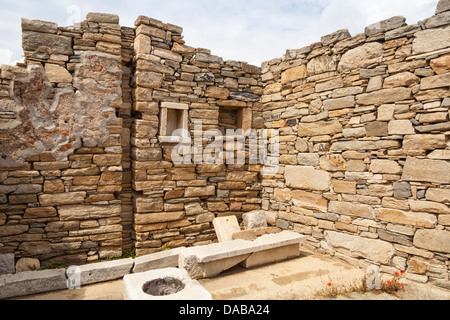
[364, 125]
[63, 209]
[175, 204]
[128, 36]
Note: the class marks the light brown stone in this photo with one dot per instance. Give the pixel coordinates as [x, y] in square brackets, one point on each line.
[361, 57]
[62, 198]
[403, 79]
[307, 178]
[294, 74]
[88, 212]
[417, 219]
[56, 73]
[282, 195]
[340, 186]
[351, 209]
[385, 166]
[200, 192]
[425, 170]
[424, 142]
[434, 240]
[438, 195]
[384, 96]
[217, 93]
[319, 128]
[441, 65]
[309, 200]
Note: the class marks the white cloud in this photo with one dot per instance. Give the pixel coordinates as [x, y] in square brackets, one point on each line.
[250, 30]
[6, 56]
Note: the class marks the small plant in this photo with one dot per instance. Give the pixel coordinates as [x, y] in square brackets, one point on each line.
[53, 266]
[394, 285]
[166, 247]
[333, 290]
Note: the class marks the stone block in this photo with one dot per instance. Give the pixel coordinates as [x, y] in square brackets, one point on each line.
[254, 219]
[361, 57]
[351, 209]
[402, 190]
[182, 287]
[374, 250]
[334, 37]
[225, 227]
[307, 178]
[88, 212]
[293, 74]
[438, 195]
[104, 271]
[319, 128]
[431, 40]
[32, 282]
[159, 260]
[7, 263]
[39, 26]
[62, 198]
[384, 96]
[424, 170]
[385, 166]
[417, 219]
[57, 74]
[433, 240]
[309, 200]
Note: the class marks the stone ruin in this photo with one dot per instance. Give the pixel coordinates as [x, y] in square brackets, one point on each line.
[87, 127]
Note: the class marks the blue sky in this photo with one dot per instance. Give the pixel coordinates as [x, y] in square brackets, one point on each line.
[243, 30]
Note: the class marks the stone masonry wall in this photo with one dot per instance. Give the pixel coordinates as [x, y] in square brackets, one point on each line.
[365, 145]
[86, 168]
[61, 137]
[175, 204]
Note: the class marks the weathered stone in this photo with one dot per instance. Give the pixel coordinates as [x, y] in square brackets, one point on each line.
[434, 240]
[145, 205]
[7, 265]
[375, 250]
[294, 74]
[108, 160]
[431, 39]
[254, 220]
[102, 18]
[62, 198]
[384, 96]
[27, 264]
[149, 79]
[39, 26]
[442, 6]
[308, 159]
[402, 190]
[361, 57]
[351, 209]
[385, 25]
[88, 212]
[441, 65]
[57, 74]
[339, 103]
[417, 219]
[364, 145]
[217, 93]
[158, 217]
[354, 132]
[376, 129]
[439, 81]
[32, 282]
[424, 142]
[344, 186]
[200, 192]
[309, 200]
[41, 212]
[53, 186]
[403, 79]
[321, 64]
[307, 178]
[334, 37]
[428, 206]
[385, 166]
[31, 41]
[426, 170]
[282, 195]
[319, 128]
[438, 195]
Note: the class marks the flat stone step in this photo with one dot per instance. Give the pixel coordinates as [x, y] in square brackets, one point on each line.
[209, 261]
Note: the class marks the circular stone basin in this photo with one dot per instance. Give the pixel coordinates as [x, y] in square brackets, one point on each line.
[163, 287]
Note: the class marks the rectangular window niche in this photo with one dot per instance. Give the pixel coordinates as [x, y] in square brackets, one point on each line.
[173, 116]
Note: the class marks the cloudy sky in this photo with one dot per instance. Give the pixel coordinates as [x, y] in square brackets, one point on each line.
[243, 30]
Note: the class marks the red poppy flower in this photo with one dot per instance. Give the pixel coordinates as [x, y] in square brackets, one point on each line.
[389, 283]
[329, 284]
[402, 272]
[397, 274]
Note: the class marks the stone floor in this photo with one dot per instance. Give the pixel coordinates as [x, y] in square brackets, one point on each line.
[296, 279]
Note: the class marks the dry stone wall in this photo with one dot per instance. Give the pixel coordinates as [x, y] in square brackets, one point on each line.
[175, 204]
[87, 168]
[365, 144]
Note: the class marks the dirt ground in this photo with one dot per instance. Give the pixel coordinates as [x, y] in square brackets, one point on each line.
[297, 279]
